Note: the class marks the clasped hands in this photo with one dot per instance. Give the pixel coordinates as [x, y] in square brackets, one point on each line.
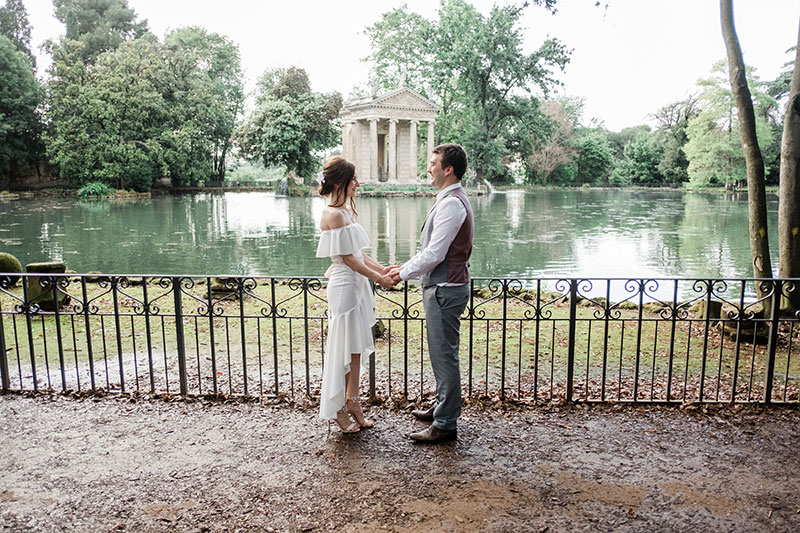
[390, 276]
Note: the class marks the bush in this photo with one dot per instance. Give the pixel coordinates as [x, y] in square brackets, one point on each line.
[94, 189]
[9, 263]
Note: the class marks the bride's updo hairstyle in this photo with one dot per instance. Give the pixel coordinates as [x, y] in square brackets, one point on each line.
[336, 176]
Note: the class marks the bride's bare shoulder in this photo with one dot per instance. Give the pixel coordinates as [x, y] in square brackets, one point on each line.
[332, 218]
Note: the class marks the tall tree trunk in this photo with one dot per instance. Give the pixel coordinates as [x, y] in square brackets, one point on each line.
[756, 195]
[789, 204]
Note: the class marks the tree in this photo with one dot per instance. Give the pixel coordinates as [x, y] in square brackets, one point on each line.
[672, 122]
[494, 78]
[19, 97]
[400, 55]
[14, 24]
[640, 164]
[203, 87]
[107, 118]
[595, 158]
[475, 68]
[555, 148]
[291, 124]
[789, 203]
[101, 25]
[714, 150]
[756, 194]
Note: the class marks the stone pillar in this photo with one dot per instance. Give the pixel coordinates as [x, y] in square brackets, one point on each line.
[355, 147]
[412, 136]
[392, 150]
[345, 130]
[373, 150]
[430, 137]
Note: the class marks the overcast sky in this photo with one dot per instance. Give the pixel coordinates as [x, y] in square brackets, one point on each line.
[629, 59]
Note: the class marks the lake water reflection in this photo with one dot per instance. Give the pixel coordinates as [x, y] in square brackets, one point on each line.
[547, 233]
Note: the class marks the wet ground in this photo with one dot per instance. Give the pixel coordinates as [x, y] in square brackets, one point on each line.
[117, 464]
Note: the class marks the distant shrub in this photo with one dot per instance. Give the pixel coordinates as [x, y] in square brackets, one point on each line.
[94, 189]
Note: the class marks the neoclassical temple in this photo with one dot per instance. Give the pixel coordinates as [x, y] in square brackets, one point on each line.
[379, 134]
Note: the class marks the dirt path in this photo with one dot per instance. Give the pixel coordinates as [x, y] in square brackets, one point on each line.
[119, 465]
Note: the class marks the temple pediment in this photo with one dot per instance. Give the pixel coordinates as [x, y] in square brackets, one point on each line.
[399, 100]
[404, 97]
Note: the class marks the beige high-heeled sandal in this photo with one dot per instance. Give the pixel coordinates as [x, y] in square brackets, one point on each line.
[353, 427]
[364, 423]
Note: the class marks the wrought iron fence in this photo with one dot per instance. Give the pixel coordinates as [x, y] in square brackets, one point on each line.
[587, 340]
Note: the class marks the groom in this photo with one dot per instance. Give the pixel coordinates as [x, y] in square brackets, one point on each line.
[442, 266]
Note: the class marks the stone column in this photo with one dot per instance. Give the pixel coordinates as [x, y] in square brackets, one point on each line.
[373, 150]
[430, 137]
[345, 147]
[412, 136]
[355, 147]
[393, 150]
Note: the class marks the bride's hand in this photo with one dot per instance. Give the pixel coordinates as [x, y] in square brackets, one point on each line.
[385, 281]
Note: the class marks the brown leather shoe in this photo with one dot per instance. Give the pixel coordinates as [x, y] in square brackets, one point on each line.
[433, 434]
[426, 415]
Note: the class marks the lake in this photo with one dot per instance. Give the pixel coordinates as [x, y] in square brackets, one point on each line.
[541, 233]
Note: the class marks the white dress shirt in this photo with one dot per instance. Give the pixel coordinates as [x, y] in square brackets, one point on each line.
[447, 217]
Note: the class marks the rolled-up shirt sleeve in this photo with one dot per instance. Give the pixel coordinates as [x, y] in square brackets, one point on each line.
[447, 220]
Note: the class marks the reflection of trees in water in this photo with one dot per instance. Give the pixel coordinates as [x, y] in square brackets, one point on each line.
[725, 217]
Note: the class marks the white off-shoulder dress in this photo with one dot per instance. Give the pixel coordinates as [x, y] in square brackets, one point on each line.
[351, 306]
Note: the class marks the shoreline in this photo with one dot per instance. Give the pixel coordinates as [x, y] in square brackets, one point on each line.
[373, 192]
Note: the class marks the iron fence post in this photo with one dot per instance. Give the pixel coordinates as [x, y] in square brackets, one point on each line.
[505, 285]
[5, 378]
[240, 288]
[773, 339]
[27, 305]
[179, 340]
[87, 324]
[573, 312]
[372, 375]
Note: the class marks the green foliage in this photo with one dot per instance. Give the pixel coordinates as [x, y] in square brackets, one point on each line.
[400, 51]
[10, 264]
[594, 157]
[618, 141]
[671, 136]
[640, 165]
[14, 24]
[19, 97]
[144, 110]
[204, 89]
[714, 148]
[291, 124]
[107, 118]
[253, 172]
[100, 25]
[94, 189]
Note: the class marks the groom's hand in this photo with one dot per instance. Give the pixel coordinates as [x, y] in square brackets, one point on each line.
[396, 276]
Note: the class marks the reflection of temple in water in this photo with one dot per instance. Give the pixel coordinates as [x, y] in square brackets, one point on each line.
[393, 232]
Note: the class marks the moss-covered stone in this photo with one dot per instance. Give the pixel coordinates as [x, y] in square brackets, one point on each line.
[10, 264]
[753, 326]
[40, 290]
[711, 310]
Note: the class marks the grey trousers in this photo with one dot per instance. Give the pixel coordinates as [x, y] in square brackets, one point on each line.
[443, 308]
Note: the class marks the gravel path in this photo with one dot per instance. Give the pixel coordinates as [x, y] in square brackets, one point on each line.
[121, 464]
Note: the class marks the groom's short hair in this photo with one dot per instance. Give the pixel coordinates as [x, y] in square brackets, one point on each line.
[453, 155]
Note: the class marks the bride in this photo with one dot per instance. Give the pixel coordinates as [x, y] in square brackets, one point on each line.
[350, 300]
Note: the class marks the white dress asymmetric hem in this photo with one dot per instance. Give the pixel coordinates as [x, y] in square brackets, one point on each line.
[351, 305]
